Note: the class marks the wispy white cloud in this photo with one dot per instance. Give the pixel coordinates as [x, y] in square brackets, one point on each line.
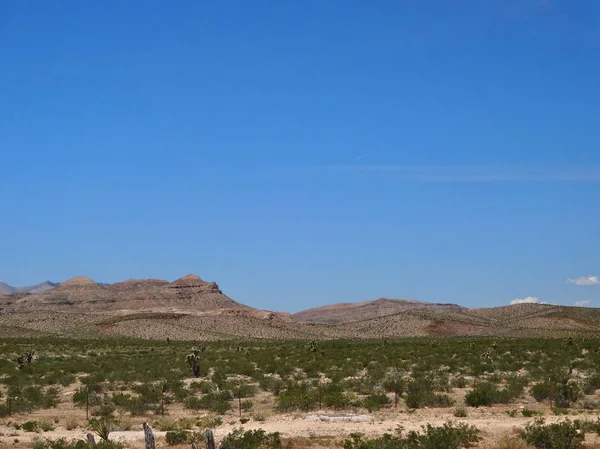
[584, 280]
[475, 173]
[582, 303]
[527, 300]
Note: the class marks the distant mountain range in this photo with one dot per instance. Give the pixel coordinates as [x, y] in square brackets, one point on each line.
[83, 295]
[190, 308]
[359, 311]
[6, 289]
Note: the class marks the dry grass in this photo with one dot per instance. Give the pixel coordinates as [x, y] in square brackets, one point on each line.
[512, 443]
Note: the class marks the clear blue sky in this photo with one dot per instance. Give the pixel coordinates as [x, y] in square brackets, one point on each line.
[304, 152]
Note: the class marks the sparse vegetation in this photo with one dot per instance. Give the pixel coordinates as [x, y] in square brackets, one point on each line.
[563, 435]
[251, 439]
[193, 359]
[178, 436]
[460, 412]
[102, 427]
[448, 436]
[123, 382]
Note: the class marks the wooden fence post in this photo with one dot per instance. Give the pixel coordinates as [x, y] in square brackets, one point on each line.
[320, 395]
[240, 399]
[209, 439]
[149, 436]
[396, 386]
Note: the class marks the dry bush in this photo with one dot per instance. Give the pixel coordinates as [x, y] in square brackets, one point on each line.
[512, 443]
[71, 423]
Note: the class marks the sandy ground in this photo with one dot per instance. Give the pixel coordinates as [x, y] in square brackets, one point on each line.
[493, 422]
[317, 429]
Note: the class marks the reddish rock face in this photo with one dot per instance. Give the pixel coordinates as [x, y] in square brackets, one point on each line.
[79, 281]
[350, 312]
[189, 294]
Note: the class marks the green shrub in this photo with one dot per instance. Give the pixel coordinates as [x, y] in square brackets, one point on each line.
[565, 394]
[459, 382]
[216, 402]
[102, 427]
[244, 389]
[376, 401]
[209, 422]
[259, 417]
[121, 399]
[271, 384]
[460, 412]
[29, 426]
[393, 384]
[333, 396]
[193, 403]
[31, 397]
[174, 424]
[176, 437]
[106, 410]
[541, 391]
[148, 392]
[420, 392]
[74, 444]
[336, 400]
[45, 425]
[82, 395]
[251, 439]
[486, 394]
[297, 396]
[591, 404]
[563, 435]
[137, 406]
[592, 383]
[528, 413]
[448, 436]
[427, 399]
[202, 386]
[218, 378]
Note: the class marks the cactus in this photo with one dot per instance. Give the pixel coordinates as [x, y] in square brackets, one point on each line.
[25, 358]
[193, 359]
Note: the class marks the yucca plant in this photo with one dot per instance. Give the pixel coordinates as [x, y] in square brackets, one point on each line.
[102, 427]
[193, 359]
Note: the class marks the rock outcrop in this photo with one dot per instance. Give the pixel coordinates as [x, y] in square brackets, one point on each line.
[349, 312]
[188, 294]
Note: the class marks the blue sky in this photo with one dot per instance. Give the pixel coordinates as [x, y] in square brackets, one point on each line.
[305, 152]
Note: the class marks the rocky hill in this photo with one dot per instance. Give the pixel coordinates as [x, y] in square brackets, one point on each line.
[6, 289]
[348, 312]
[423, 319]
[191, 308]
[81, 294]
